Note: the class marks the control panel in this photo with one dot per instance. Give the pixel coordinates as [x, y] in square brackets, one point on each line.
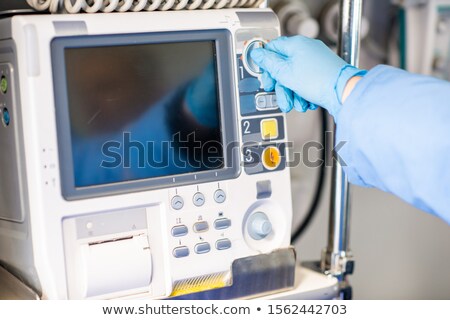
[145, 236]
[262, 125]
[199, 222]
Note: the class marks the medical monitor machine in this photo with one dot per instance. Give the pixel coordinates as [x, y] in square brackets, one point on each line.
[141, 156]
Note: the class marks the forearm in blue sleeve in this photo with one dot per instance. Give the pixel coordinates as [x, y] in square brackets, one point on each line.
[396, 128]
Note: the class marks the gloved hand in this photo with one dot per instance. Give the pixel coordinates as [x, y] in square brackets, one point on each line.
[305, 73]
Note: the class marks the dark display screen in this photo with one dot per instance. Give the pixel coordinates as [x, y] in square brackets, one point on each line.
[143, 111]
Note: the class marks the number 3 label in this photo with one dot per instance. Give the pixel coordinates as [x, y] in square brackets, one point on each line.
[248, 155]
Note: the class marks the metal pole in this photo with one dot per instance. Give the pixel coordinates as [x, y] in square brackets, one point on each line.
[336, 257]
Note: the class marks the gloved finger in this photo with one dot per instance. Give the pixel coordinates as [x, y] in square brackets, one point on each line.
[285, 98]
[284, 45]
[267, 81]
[312, 106]
[300, 104]
[270, 62]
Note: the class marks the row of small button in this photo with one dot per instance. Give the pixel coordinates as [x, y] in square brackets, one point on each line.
[201, 248]
[201, 226]
[198, 199]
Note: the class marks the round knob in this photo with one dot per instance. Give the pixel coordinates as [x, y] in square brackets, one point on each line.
[259, 226]
[249, 64]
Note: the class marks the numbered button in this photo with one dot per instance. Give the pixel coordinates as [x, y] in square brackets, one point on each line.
[177, 203]
[199, 199]
[220, 196]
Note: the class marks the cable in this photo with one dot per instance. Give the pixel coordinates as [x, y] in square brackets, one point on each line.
[220, 4]
[319, 185]
[93, 6]
[40, 5]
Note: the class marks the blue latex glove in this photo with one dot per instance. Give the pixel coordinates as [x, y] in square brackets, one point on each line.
[304, 73]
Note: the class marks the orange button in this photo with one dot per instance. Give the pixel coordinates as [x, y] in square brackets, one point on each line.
[271, 158]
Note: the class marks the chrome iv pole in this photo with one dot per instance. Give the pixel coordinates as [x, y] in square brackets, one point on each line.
[337, 259]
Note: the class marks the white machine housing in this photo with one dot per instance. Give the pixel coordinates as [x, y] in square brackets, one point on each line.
[121, 244]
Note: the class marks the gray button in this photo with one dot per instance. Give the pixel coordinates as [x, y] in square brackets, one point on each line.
[260, 100]
[201, 226]
[272, 101]
[177, 202]
[179, 231]
[181, 252]
[223, 244]
[198, 199]
[220, 196]
[222, 223]
[203, 247]
[263, 189]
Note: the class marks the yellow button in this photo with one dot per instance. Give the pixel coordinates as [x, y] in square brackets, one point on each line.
[269, 129]
[271, 158]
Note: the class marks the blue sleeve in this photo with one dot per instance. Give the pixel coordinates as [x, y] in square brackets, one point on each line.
[396, 129]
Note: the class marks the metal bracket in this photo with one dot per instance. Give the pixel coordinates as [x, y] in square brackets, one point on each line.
[337, 264]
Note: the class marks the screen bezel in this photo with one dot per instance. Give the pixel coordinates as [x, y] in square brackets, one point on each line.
[226, 99]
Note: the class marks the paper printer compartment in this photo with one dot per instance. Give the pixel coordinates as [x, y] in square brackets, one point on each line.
[108, 254]
[114, 266]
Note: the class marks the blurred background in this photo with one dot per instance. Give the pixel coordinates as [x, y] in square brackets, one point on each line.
[400, 252]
